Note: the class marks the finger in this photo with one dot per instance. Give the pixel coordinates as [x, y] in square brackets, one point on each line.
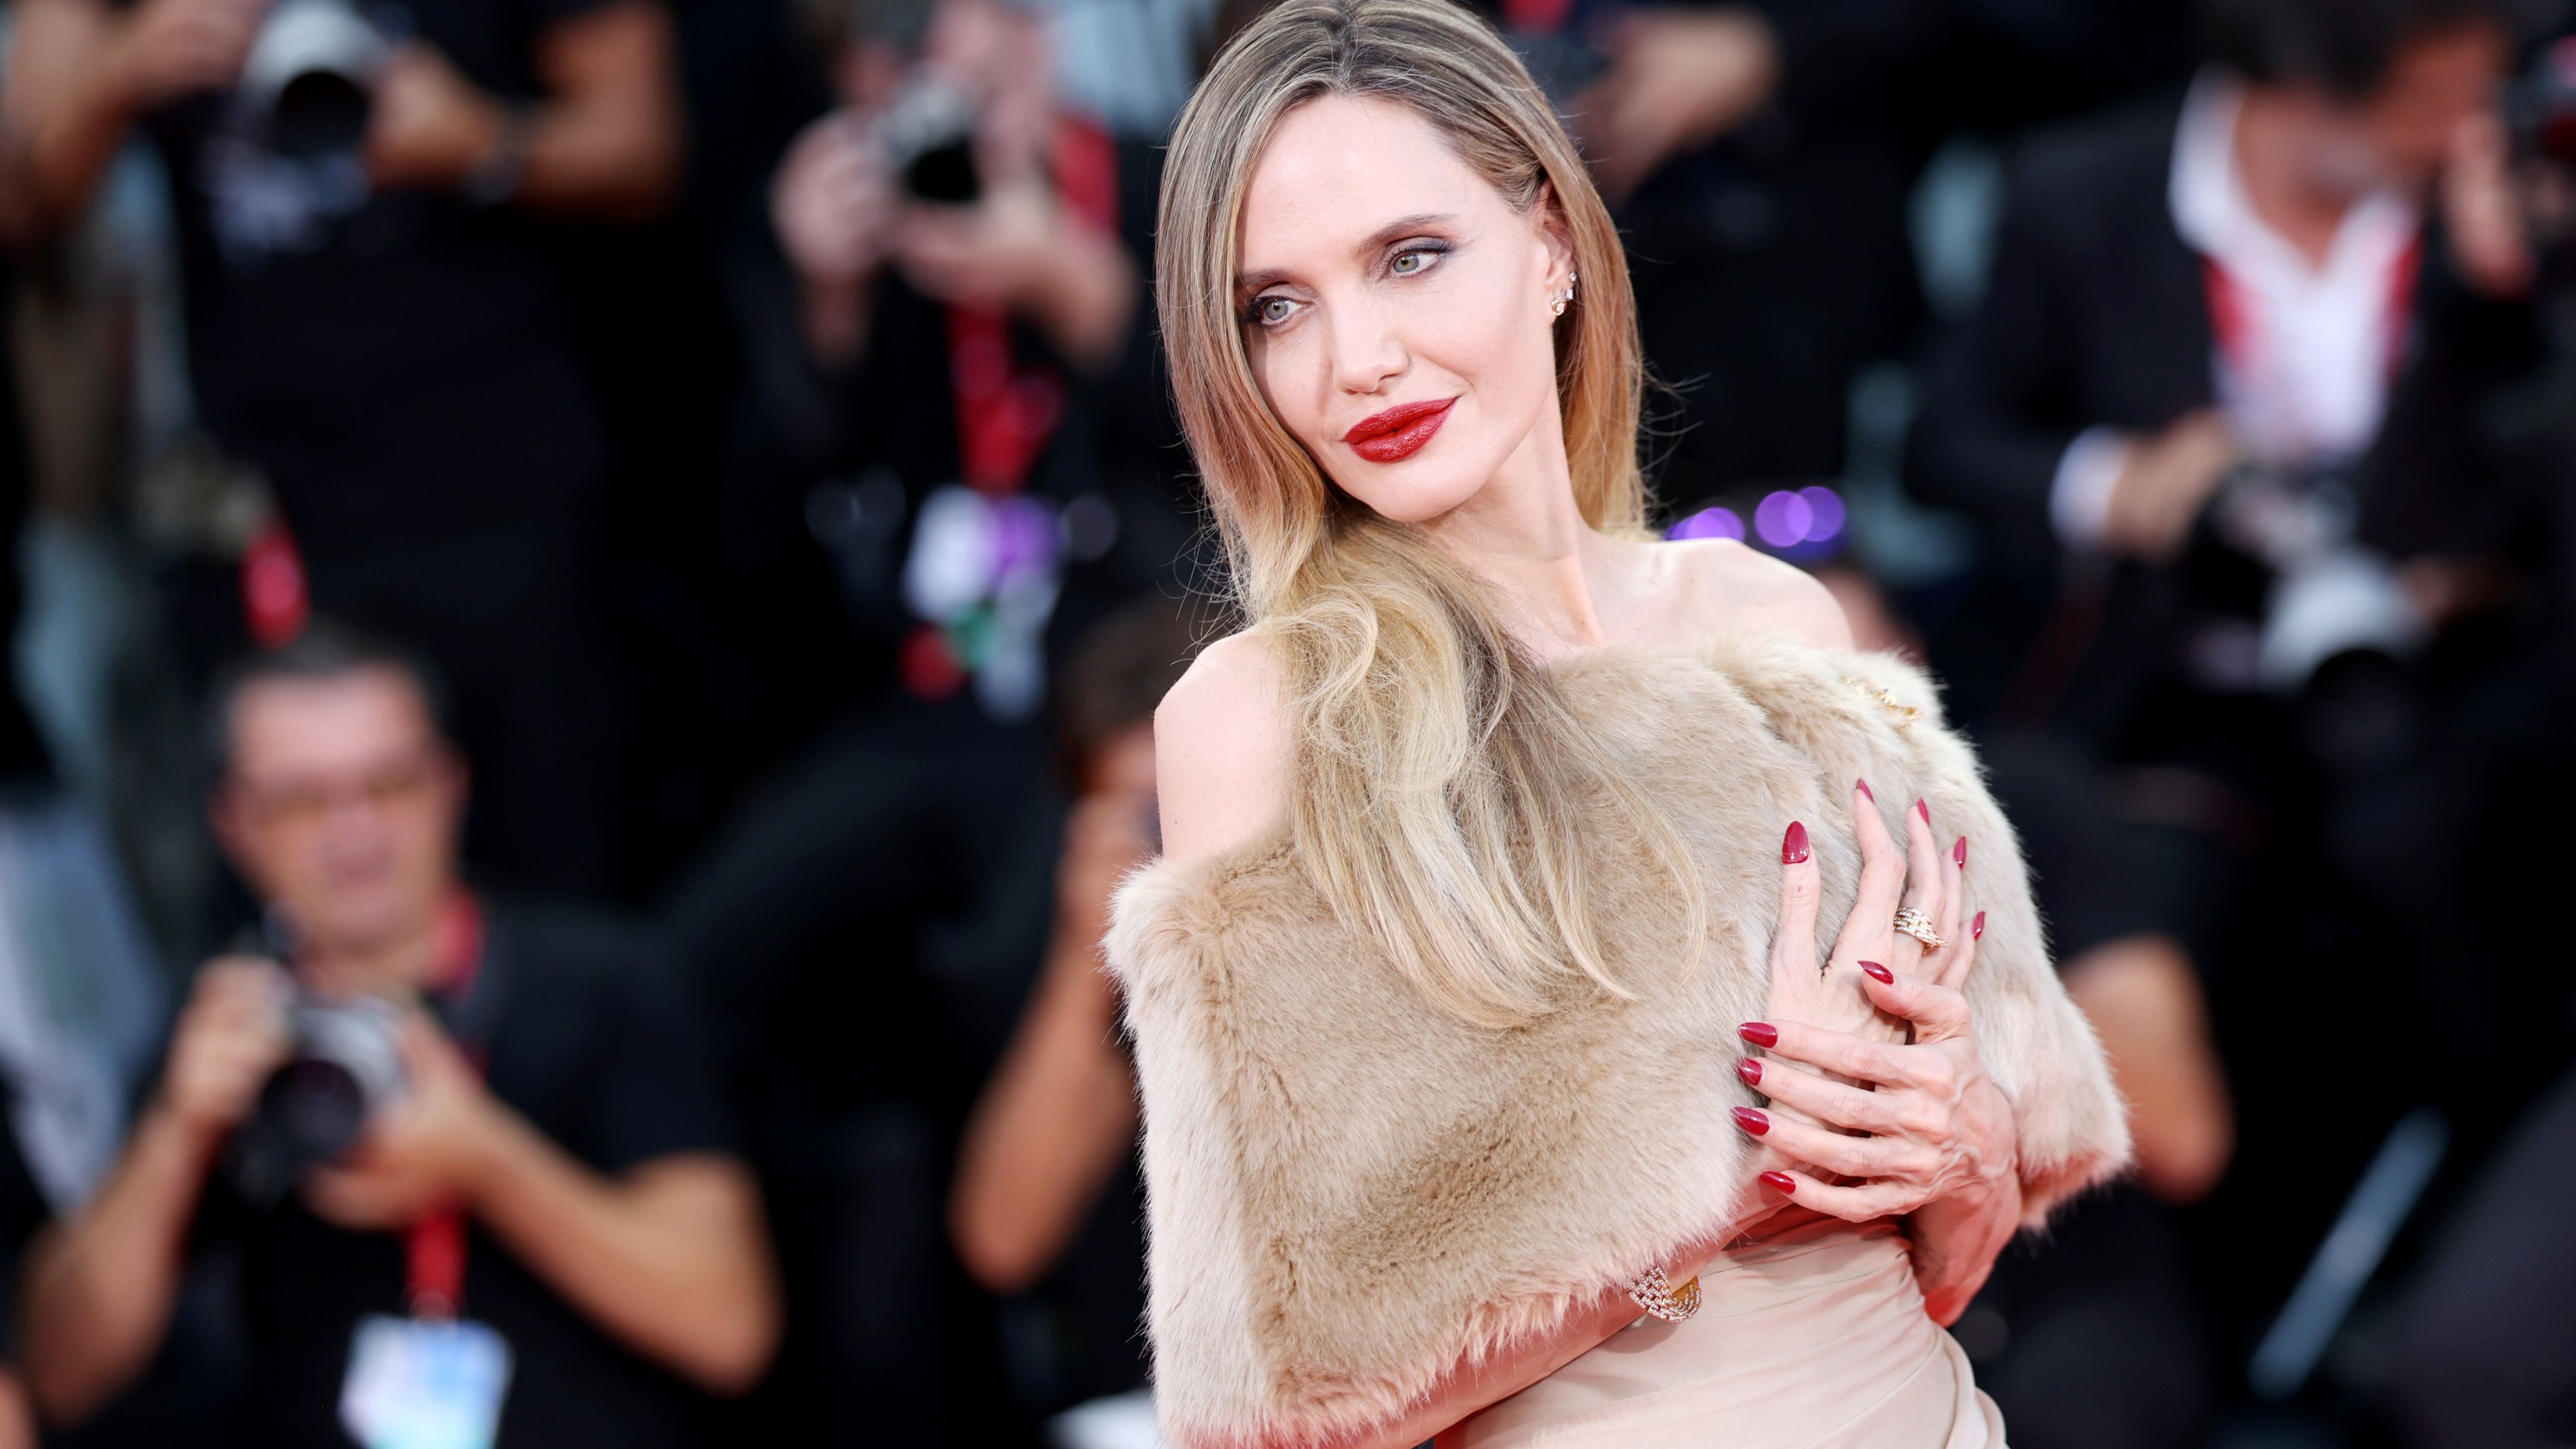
[1821, 1098]
[1793, 945]
[1954, 892]
[1852, 1056]
[1866, 932]
[1958, 956]
[1865, 1157]
[1938, 1012]
[1860, 1203]
[1924, 883]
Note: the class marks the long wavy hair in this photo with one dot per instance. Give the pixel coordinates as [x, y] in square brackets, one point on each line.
[1441, 778]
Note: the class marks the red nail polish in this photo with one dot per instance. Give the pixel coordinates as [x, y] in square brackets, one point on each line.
[1863, 787]
[1924, 810]
[1752, 1121]
[1959, 853]
[1878, 973]
[1750, 1070]
[1761, 1034]
[1977, 927]
[1793, 846]
[1780, 1182]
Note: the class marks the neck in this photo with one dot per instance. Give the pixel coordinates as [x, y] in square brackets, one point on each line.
[1522, 534]
[405, 960]
[2272, 145]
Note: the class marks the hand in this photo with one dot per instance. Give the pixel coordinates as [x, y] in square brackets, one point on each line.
[833, 204]
[425, 1151]
[2482, 211]
[1831, 995]
[165, 49]
[2169, 479]
[1678, 79]
[230, 1039]
[430, 126]
[1937, 1124]
[1011, 249]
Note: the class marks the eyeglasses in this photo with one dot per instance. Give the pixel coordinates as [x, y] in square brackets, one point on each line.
[294, 804]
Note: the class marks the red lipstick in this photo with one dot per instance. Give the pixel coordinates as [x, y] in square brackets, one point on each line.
[1399, 432]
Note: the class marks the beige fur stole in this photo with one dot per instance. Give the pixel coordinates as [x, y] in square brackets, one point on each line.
[1351, 1191]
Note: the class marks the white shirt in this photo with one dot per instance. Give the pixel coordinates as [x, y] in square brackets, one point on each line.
[2303, 375]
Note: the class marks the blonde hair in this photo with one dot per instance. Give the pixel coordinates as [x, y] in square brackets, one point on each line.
[1441, 777]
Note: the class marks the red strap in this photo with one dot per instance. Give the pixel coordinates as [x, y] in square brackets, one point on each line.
[1535, 17]
[275, 603]
[434, 1264]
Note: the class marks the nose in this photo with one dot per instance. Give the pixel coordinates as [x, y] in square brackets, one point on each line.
[1366, 353]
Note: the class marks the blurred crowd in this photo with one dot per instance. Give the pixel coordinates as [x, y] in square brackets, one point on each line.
[586, 583]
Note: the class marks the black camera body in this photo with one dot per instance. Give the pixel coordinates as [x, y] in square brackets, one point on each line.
[346, 1066]
[311, 76]
[928, 132]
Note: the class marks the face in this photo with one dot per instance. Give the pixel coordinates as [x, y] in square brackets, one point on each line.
[341, 805]
[1396, 308]
[2399, 135]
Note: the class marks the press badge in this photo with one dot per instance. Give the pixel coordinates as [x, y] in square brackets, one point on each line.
[424, 1383]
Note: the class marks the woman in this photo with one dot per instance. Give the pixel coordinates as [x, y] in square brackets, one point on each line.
[1444, 992]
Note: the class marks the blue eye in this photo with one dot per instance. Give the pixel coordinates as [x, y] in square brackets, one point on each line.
[1269, 311]
[1408, 263]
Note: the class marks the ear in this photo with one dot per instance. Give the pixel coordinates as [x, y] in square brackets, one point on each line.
[1554, 231]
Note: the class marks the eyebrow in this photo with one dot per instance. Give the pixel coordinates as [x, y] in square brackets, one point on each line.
[1396, 230]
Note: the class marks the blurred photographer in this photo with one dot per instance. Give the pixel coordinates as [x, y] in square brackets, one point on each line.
[2262, 284]
[466, 1148]
[366, 194]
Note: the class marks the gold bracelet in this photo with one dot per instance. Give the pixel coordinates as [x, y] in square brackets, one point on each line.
[1656, 1294]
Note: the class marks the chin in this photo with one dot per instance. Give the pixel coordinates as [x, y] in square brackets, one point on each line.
[1419, 489]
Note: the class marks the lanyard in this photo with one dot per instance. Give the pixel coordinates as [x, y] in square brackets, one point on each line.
[1006, 413]
[434, 1245]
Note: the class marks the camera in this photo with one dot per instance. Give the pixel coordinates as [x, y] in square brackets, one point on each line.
[311, 76]
[345, 1067]
[928, 132]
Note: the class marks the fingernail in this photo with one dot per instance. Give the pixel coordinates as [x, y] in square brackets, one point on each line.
[1863, 787]
[1922, 809]
[1878, 973]
[1959, 853]
[1793, 846]
[1752, 1121]
[1750, 1070]
[1977, 927]
[1779, 1182]
[1761, 1034]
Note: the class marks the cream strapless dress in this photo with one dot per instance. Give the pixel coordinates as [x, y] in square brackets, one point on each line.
[1813, 1337]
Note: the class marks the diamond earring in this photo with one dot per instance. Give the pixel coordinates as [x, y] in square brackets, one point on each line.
[1563, 298]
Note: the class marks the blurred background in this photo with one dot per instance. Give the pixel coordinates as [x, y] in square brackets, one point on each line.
[672, 508]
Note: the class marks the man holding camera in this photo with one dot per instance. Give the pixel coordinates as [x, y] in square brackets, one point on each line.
[540, 1228]
[367, 199]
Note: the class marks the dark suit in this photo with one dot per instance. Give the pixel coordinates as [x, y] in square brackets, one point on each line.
[2097, 315]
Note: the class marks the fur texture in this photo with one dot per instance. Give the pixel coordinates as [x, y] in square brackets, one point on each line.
[1351, 1191]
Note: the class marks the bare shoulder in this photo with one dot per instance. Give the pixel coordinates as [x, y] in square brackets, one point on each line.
[1224, 749]
[1725, 589]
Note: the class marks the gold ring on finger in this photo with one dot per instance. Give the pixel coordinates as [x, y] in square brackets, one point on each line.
[1918, 925]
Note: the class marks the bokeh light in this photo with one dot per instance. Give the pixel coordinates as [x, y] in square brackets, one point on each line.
[1709, 523]
[1782, 519]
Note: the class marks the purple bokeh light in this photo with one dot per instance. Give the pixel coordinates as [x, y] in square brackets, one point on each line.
[1782, 519]
[1825, 513]
[1709, 523]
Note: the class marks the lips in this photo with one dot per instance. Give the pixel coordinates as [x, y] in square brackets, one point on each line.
[1399, 432]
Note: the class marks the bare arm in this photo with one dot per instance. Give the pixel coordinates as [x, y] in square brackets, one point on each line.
[2142, 997]
[81, 74]
[667, 1258]
[605, 144]
[1060, 1112]
[99, 1288]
